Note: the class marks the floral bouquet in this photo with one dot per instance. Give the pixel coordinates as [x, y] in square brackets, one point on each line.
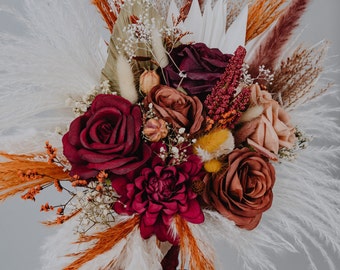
[200, 122]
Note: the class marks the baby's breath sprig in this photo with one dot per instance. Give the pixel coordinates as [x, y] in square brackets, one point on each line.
[81, 104]
[302, 142]
[264, 76]
[96, 203]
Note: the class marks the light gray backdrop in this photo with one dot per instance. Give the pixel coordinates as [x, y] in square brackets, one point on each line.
[21, 234]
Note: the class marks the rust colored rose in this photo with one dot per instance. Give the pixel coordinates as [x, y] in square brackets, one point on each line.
[243, 191]
[176, 108]
[271, 130]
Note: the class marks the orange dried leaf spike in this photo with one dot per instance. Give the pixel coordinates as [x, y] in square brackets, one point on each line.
[62, 219]
[12, 183]
[108, 14]
[190, 248]
[104, 241]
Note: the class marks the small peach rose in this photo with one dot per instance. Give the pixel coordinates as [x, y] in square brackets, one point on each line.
[148, 80]
[155, 129]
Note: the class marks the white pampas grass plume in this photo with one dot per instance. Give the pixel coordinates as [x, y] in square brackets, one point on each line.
[158, 49]
[58, 55]
[127, 88]
[139, 253]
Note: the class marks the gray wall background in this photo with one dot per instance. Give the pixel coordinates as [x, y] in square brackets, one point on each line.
[21, 234]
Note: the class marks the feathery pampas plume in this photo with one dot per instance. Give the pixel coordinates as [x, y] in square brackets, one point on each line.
[56, 56]
[158, 49]
[125, 77]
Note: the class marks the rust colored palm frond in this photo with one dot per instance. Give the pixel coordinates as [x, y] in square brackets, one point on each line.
[104, 241]
[21, 173]
[190, 248]
[109, 13]
[262, 13]
[297, 75]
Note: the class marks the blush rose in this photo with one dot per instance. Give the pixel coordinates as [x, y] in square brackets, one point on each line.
[271, 130]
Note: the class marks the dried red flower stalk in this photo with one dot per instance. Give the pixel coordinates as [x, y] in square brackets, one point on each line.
[224, 108]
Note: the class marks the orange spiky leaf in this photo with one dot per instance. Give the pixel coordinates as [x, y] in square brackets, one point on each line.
[62, 219]
[32, 174]
[109, 14]
[105, 241]
[190, 248]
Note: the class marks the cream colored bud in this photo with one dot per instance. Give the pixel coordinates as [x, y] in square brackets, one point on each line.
[148, 80]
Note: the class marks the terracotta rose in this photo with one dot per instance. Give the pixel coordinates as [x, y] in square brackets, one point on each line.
[243, 191]
[271, 130]
[176, 108]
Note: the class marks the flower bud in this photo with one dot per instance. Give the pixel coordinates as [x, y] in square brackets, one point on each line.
[155, 129]
[148, 80]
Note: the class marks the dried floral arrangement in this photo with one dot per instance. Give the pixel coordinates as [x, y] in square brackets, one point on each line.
[198, 129]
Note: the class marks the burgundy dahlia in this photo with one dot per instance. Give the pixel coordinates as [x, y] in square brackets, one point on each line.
[160, 193]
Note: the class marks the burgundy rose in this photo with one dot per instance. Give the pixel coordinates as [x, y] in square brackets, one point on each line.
[160, 193]
[106, 137]
[200, 65]
[243, 191]
[176, 108]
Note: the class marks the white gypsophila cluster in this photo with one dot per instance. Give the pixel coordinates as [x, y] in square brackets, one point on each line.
[302, 142]
[245, 76]
[143, 28]
[96, 206]
[177, 144]
[81, 104]
[263, 75]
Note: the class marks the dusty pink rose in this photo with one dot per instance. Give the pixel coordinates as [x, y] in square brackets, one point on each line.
[243, 191]
[271, 130]
[107, 137]
[158, 194]
[176, 108]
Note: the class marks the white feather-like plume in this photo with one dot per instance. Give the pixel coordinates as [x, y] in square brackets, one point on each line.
[60, 54]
